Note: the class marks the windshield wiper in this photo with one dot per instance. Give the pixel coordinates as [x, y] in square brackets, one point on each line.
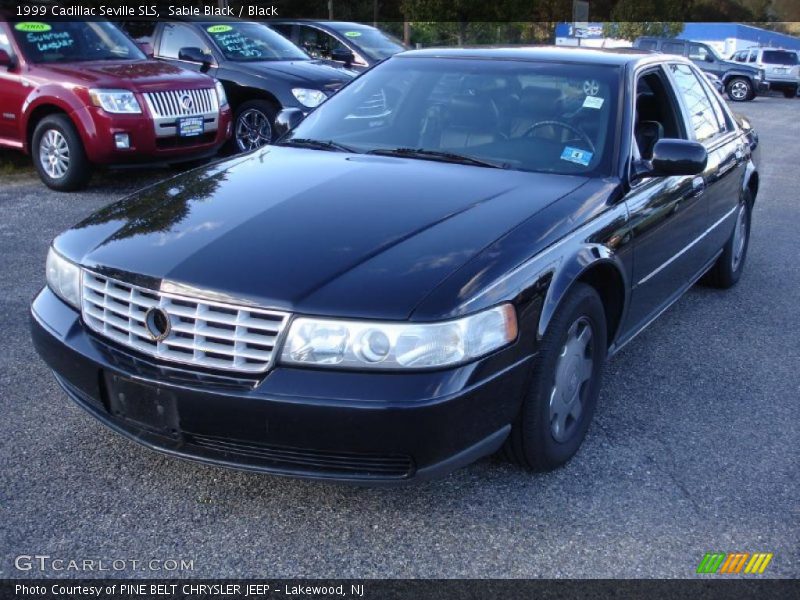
[442, 156]
[318, 144]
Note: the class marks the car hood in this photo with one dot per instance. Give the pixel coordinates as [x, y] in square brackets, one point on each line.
[311, 231]
[314, 72]
[136, 75]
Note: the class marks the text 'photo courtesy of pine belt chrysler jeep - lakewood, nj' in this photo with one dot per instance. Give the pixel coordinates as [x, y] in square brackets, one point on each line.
[78, 94]
[383, 296]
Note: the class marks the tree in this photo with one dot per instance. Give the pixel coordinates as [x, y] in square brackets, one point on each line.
[631, 30]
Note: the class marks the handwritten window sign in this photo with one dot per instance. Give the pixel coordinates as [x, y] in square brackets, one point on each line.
[234, 44]
[43, 39]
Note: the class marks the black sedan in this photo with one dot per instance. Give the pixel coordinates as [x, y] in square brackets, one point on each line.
[435, 264]
[354, 45]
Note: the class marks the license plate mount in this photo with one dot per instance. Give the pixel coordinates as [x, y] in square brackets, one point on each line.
[190, 126]
[148, 407]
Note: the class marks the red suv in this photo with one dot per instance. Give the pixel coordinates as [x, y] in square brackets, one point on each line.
[73, 94]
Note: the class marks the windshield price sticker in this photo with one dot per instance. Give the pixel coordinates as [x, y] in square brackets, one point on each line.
[32, 27]
[353, 33]
[577, 156]
[219, 28]
[593, 102]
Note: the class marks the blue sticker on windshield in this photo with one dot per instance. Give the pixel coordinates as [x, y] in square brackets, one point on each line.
[576, 155]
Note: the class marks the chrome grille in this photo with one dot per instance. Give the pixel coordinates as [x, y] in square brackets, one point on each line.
[171, 103]
[202, 333]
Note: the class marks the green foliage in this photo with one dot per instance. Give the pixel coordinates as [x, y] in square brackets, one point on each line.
[630, 30]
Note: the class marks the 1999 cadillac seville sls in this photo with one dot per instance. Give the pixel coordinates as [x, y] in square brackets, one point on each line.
[434, 264]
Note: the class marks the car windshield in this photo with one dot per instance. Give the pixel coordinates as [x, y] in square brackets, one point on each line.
[72, 41]
[376, 44]
[530, 116]
[778, 57]
[252, 42]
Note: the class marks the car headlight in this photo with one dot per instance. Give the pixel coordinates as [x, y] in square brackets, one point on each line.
[64, 278]
[309, 98]
[347, 344]
[115, 101]
[221, 97]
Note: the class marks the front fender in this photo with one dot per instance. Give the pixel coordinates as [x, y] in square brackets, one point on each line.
[51, 95]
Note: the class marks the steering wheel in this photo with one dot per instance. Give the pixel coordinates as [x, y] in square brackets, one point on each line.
[580, 135]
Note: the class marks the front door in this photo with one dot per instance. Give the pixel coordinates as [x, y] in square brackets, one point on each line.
[13, 91]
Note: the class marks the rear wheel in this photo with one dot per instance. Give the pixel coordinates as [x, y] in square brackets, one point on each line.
[740, 89]
[565, 384]
[253, 125]
[790, 93]
[58, 154]
[729, 266]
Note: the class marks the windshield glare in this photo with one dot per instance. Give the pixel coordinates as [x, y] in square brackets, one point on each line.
[777, 57]
[374, 43]
[549, 117]
[252, 42]
[70, 41]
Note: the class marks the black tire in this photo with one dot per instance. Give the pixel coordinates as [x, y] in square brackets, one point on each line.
[256, 109]
[726, 271]
[48, 134]
[790, 93]
[740, 89]
[532, 442]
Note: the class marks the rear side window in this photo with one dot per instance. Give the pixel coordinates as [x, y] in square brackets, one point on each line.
[776, 57]
[672, 48]
[701, 112]
[176, 37]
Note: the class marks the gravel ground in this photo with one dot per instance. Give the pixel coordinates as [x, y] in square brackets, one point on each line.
[694, 447]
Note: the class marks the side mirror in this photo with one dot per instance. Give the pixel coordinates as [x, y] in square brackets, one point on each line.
[677, 157]
[195, 55]
[6, 60]
[342, 55]
[288, 119]
[709, 58]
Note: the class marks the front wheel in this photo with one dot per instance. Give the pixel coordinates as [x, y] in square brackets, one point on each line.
[58, 154]
[253, 125]
[729, 266]
[565, 384]
[740, 89]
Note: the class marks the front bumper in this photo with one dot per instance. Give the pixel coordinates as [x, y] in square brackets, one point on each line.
[762, 87]
[98, 129]
[368, 428]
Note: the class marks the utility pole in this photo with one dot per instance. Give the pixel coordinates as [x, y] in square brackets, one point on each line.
[330, 10]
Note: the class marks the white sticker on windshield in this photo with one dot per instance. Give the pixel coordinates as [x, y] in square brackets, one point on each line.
[593, 102]
[576, 155]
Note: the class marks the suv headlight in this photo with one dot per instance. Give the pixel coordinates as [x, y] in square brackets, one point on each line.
[115, 101]
[309, 98]
[64, 278]
[221, 97]
[347, 344]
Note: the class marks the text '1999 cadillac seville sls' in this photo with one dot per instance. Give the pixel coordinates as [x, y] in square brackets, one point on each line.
[434, 264]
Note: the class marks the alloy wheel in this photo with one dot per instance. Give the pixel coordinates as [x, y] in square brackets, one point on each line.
[739, 238]
[572, 378]
[54, 153]
[739, 90]
[253, 130]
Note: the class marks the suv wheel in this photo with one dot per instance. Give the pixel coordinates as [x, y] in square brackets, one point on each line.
[740, 89]
[58, 154]
[253, 125]
[790, 93]
[565, 384]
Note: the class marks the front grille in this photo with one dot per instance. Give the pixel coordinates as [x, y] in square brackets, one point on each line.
[202, 333]
[174, 103]
[356, 465]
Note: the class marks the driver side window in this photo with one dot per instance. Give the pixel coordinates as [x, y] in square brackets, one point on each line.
[656, 113]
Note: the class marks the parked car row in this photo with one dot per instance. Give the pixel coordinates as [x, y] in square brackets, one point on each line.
[75, 95]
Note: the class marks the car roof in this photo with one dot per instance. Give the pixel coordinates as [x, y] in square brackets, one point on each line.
[597, 56]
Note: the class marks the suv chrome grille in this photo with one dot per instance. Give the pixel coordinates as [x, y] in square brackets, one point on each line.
[201, 333]
[181, 103]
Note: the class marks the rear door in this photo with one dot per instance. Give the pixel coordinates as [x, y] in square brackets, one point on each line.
[712, 126]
